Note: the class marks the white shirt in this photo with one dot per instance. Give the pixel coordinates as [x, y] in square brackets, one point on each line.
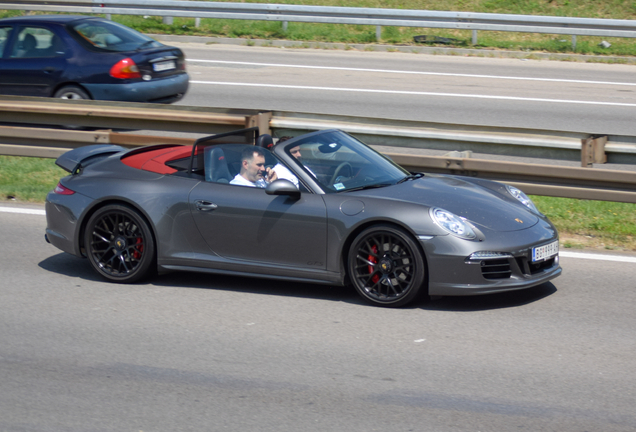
[284, 173]
[242, 181]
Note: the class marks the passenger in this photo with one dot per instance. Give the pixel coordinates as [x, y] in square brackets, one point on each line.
[253, 171]
[295, 152]
[282, 171]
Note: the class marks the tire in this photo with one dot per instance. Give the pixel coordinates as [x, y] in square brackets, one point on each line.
[71, 92]
[119, 244]
[386, 266]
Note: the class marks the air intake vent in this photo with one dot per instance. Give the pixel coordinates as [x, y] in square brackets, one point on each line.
[496, 269]
[540, 266]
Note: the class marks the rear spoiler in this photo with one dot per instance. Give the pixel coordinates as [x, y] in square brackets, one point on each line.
[73, 159]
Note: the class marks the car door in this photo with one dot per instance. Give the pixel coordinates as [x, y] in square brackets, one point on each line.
[5, 37]
[244, 223]
[33, 62]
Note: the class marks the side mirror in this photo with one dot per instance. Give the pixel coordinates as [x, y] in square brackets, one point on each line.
[283, 187]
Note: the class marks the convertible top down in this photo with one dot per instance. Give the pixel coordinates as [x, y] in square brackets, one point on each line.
[320, 207]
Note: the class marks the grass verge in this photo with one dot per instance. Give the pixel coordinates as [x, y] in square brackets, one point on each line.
[360, 34]
[591, 224]
[28, 179]
[581, 223]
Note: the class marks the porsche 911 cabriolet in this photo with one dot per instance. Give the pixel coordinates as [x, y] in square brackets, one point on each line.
[321, 207]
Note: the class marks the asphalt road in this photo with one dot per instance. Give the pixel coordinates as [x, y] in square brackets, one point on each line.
[190, 352]
[580, 97]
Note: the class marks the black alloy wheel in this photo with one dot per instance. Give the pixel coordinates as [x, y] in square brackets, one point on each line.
[119, 244]
[386, 266]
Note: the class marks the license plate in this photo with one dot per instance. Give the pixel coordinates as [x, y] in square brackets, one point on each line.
[164, 66]
[544, 252]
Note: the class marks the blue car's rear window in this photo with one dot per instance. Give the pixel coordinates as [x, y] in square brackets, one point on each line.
[110, 36]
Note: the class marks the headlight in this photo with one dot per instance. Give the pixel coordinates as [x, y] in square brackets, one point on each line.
[523, 198]
[452, 223]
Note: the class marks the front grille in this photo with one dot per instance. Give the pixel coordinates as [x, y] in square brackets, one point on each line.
[540, 266]
[529, 268]
[506, 267]
[496, 269]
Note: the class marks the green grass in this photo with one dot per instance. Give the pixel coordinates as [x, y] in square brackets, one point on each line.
[581, 223]
[586, 223]
[27, 179]
[357, 34]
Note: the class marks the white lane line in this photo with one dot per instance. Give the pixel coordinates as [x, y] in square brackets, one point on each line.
[22, 211]
[597, 257]
[415, 93]
[565, 254]
[455, 75]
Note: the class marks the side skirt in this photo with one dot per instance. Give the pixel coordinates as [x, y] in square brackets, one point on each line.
[324, 278]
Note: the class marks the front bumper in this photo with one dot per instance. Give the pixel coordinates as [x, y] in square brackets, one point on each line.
[452, 273]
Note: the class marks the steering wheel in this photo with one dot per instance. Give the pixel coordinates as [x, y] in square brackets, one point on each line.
[340, 168]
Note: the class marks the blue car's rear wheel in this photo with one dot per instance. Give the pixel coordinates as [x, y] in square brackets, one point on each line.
[119, 244]
[71, 92]
[386, 266]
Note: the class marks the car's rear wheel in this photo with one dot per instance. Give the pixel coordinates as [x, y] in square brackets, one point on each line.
[71, 92]
[386, 266]
[119, 244]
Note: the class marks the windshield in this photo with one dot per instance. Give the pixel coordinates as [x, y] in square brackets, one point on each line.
[342, 163]
[111, 36]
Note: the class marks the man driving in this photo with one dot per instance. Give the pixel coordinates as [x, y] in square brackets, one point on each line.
[253, 172]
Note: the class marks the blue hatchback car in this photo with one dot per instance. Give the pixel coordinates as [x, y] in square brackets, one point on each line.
[81, 57]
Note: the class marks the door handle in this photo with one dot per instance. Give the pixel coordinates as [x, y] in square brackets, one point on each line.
[205, 205]
[49, 69]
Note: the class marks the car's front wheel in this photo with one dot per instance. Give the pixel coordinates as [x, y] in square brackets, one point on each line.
[71, 92]
[385, 266]
[119, 244]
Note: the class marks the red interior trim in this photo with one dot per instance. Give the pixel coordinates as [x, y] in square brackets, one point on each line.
[155, 160]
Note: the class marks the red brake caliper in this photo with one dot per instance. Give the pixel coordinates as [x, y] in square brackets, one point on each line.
[139, 249]
[374, 260]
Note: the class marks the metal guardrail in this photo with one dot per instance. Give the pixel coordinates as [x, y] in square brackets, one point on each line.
[387, 132]
[50, 111]
[508, 141]
[40, 141]
[339, 15]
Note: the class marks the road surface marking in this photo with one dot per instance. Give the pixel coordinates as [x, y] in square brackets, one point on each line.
[22, 211]
[349, 69]
[415, 93]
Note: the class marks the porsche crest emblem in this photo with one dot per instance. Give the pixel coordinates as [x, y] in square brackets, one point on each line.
[519, 220]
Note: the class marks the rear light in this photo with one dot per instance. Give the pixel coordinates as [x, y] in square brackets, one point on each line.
[182, 66]
[125, 69]
[62, 190]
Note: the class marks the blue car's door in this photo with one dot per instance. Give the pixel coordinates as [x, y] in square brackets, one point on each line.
[5, 38]
[244, 223]
[32, 63]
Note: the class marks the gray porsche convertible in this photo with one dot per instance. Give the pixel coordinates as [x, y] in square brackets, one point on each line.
[321, 207]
